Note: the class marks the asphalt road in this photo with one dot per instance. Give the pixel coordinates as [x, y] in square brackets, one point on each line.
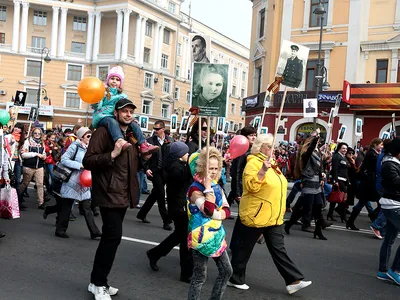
[37, 265]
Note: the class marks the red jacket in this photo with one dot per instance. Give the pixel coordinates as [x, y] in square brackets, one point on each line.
[49, 149]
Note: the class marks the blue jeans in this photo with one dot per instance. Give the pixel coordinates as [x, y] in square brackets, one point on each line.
[17, 174]
[295, 189]
[141, 179]
[380, 223]
[115, 131]
[392, 230]
[49, 186]
[327, 190]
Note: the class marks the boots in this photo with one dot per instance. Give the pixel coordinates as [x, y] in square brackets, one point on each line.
[350, 222]
[318, 231]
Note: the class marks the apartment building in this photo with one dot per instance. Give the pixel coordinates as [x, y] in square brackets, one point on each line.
[148, 38]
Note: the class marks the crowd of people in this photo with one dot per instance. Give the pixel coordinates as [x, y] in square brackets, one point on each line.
[189, 186]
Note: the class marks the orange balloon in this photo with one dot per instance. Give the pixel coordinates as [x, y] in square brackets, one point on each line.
[91, 90]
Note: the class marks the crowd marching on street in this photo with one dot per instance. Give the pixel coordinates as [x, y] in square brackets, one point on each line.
[189, 186]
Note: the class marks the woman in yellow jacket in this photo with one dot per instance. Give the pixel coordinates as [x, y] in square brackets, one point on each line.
[261, 211]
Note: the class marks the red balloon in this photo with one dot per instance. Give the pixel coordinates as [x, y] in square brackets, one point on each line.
[238, 146]
[86, 178]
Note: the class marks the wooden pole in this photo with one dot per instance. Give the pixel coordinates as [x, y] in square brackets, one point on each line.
[29, 128]
[279, 118]
[218, 141]
[208, 145]
[263, 115]
[199, 132]
[328, 136]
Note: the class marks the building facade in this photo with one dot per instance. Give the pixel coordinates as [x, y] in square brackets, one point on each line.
[148, 38]
[360, 44]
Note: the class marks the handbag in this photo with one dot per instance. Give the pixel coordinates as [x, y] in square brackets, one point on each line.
[9, 208]
[62, 172]
[337, 196]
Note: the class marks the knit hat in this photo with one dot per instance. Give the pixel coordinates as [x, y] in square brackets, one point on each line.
[178, 149]
[82, 131]
[117, 72]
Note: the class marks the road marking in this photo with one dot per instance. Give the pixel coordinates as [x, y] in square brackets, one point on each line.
[143, 241]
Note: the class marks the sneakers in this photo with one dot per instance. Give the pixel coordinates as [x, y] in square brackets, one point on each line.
[376, 232]
[394, 276]
[111, 291]
[239, 286]
[293, 288]
[383, 276]
[146, 148]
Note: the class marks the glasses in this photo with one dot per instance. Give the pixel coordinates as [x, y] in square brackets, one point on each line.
[88, 136]
[157, 129]
[37, 133]
[204, 128]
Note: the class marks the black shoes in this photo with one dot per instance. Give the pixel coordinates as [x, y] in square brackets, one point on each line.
[144, 220]
[331, 217]
[25, 194]
[351, 226]
[62, 235]
[72, 217]
[22, 207]
[41, 206]
[94, 236]
[45, 214]
[152, 261]
[307, 229]
[2, 235]
[319, 235]
[168, 227]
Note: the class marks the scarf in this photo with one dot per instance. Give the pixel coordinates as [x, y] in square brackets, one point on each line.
[37, 141]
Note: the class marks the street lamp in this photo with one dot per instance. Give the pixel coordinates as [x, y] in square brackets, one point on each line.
[47, 59]
[320, 12]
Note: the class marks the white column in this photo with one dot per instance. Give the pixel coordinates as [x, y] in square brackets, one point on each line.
[96, 46]
[330, 15]
[286, 32]
[183, 58]
[24, 27]
[306, 16]
[137, 37]
[396, 25]
[142, 38]
[63, 32]
[327, 59]
[15, 36]
[156, 45]
[239, 81]
[118, 35]
[230, 80]
[89, 37]
[394, 66]
[125, 37]
[160, 44]
[54, 32]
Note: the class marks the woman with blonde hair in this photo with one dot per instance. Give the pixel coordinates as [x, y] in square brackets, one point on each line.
[261, 211]
[207, 207]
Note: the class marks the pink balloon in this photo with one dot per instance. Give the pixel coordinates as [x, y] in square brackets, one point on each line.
[86, 178]
[238, 146]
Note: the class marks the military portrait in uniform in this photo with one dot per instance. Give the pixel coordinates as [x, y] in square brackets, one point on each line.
[174, 120]
[310, 108]
[220, 125]
[358, 127]
[292, 65]
[210, 89]
[144, 122]
[342, 132]
[201, 48]
[184, 125]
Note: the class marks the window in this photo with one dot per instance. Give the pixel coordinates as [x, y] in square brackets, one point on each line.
[235, 71]
[38, 42]
[74, 73]
[79, 23]
[231, 126]
[242, 92]
[240, 125]
[146, 55]
[167, 85]
[31, 96]
[166, 37]
[165, 108]
[244, 76]
[261, 29]
[103, 72]
[310, 75]
[149, 29]
[164, 61]
[233, 90]
[33, 68]
[3, 13]
[315, 21]
[148, 80]
[171, 7]
[72, 100]
[179, 49]
[177, 70]
[187, 97]
[257, 83]
[177, 93]
[78, 47]
[188, 75]
[39, 18]
[233, 108]
[146, 107]
[2, 38]
[381, 70]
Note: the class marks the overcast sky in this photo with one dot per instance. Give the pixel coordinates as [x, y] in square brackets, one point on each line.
[230, 17]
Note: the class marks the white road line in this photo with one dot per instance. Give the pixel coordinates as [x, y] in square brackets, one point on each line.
[143, 241]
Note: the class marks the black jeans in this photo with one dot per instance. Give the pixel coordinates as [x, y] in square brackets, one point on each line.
[64, 211]
[86, 207]
[157, 194]
[274, 240]
[110, 240]
[178, 237]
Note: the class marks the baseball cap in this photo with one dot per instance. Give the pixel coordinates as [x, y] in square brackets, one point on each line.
[124, 103]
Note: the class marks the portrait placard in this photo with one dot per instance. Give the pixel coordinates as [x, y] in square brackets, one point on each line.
[331, 116]
[220, 125]
[226, 127]
[310, 108]
[174, 122]
[184, 125]
[385, 135]
[200, 46]
[292, 64]
[144, 123]
[256, 122]
[210, 89]
[337, 105]
[20, 98]
[264, 130]
[342, 133]
[359, 125]
[32, 114]
[393, 132]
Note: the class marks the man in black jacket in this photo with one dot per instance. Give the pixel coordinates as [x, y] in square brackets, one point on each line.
[154, 172]
[178, 180]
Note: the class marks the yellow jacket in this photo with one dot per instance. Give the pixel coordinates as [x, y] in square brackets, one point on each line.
[263, 202]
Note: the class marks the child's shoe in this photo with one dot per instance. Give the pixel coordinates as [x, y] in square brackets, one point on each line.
[146, 148]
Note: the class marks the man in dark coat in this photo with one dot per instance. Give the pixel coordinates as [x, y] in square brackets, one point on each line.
[115, 188]
[310, 108]
[293, 73]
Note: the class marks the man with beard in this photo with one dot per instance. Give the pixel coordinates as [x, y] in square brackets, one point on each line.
[115, 187]
[199, 48]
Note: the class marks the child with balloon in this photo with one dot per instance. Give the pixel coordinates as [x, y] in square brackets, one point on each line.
[103, 114]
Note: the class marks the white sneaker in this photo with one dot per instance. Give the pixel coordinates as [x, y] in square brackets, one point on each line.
[239, 286]
[111, 290]
[293, 288]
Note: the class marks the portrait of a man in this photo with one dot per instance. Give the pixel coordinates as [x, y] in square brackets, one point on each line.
[32, 114]
[310, 108]
[173, 123]
[226, 127]
[184, 125]
[358, 127]
[293, 74]
[256, 123]
[220, 126]
[144, 122]
[20, 98]
[199, 49]
[342, 132]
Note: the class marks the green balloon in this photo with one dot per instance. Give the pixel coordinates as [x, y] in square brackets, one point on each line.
[4, 117]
